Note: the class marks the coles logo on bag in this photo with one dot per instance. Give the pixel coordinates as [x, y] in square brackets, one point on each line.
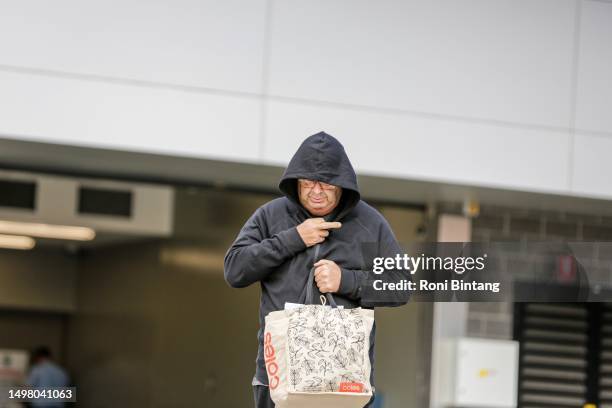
[270, 359]
[351, 387]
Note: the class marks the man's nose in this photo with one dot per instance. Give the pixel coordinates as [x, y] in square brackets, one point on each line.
[317, 188]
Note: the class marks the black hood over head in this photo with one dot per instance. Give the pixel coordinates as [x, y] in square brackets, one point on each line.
[322, 157]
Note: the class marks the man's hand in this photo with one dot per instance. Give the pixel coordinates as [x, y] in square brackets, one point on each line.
[327, 275]
[315, 230]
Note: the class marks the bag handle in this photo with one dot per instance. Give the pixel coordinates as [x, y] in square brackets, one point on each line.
[310, 284]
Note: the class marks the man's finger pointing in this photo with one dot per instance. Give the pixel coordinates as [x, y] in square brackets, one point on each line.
[329, 225]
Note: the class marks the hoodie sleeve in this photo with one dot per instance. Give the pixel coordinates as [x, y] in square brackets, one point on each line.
[354, 284]
[253, 256]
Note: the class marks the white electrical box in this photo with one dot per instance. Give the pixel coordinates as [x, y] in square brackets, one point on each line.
[478, 373]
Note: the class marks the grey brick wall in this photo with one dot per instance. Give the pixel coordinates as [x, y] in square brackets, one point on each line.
[490, 320]
[495, 223]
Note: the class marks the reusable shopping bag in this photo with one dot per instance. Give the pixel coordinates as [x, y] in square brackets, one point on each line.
[318, 355]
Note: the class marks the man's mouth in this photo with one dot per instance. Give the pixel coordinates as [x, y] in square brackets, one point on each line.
[318, 200]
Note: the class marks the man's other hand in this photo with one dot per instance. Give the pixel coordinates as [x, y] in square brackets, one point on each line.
[314, 230]
[327, 276]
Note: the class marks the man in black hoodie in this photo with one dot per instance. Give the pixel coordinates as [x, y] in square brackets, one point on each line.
[321, 208]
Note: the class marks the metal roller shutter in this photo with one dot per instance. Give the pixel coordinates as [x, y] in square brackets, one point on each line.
[605, 358]
[555, 357]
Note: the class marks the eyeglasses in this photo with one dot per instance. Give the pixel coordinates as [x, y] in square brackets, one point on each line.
[311, 183]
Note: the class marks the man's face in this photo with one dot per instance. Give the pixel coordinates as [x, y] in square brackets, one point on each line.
[317, 197]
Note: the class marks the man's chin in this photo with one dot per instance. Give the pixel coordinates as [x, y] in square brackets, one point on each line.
[320, 212]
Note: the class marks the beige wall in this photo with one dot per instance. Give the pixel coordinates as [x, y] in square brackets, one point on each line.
[160, 336]
[41, 279]
[37, 292]
[399, 353]
[25, 330]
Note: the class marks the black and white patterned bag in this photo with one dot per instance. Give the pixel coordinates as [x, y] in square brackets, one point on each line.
[318, 355]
